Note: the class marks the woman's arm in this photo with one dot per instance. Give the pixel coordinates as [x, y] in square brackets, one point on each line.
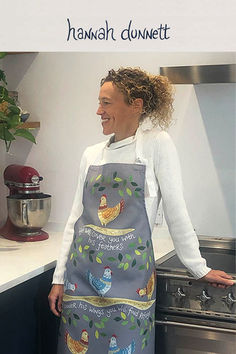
[167, 169]
[56, 293]
[76, 211]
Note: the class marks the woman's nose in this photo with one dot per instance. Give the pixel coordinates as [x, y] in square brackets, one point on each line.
[100, 110]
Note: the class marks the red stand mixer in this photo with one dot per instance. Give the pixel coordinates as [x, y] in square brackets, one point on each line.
[28, 209]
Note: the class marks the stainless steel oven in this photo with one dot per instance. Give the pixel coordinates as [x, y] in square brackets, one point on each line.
[181, 335]
[191, 316]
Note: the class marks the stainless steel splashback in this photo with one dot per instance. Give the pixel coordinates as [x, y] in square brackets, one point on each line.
[200, 74]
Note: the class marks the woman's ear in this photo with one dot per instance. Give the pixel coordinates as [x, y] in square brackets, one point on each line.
[138, 105]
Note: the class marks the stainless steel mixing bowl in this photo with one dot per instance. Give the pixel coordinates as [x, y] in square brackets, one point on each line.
[29, 213]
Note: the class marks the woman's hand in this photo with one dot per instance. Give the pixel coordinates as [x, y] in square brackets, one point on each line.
[55, 299]
[218, 279]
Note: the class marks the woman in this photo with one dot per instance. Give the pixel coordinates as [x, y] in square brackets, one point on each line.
[106, 266]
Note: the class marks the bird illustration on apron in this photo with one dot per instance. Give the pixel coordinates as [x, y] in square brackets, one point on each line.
[109, 291]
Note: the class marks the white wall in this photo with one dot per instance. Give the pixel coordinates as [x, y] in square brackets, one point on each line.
[61, 89]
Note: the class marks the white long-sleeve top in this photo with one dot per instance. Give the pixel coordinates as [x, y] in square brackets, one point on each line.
[156, 150]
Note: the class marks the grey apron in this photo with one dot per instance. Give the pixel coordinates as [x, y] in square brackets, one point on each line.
[109, 288]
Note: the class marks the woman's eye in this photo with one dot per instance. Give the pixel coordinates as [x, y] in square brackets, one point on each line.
[104, 103]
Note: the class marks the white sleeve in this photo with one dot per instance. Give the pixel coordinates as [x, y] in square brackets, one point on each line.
[185, 240]
[76, 211]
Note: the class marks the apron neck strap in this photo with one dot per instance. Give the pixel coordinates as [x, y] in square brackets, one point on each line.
[139, 145]
[138, 148]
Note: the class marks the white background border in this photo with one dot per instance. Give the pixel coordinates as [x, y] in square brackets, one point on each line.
[41, 25]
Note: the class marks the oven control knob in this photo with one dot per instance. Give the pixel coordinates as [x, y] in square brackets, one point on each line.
[229, 299]
[204, 296]
[179, 293]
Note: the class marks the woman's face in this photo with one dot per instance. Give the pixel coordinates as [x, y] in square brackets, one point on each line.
[117, 116]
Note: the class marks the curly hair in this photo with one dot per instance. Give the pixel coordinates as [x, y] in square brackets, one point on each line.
[156, 92]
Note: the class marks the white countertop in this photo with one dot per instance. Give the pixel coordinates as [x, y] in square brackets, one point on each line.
[20, 261]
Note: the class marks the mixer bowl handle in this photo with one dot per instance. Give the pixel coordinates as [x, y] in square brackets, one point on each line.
[24, 214]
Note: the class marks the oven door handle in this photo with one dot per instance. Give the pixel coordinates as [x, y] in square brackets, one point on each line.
[194, 326]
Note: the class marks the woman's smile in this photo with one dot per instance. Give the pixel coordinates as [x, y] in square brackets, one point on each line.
[105, 123]
[104, 120]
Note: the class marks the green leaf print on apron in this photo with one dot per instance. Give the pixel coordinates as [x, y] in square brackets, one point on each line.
[109, 289]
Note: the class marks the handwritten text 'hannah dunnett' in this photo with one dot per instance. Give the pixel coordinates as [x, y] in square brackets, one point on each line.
[106, 33]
